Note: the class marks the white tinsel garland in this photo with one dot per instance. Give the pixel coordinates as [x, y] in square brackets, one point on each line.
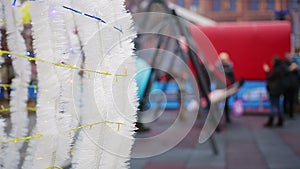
[2, 146]
[119, 93]
[29, 155]
[108, 50]
[60, 37]
[76, 55]
[2, 123]
[76, 58]
[85, 150]
[18, 99]
[2, 21]
[62, 55]
[109, 100]
[46, 146]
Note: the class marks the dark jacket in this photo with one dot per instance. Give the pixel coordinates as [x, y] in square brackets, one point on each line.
[228, 70]
[291, 78]
[274, 80]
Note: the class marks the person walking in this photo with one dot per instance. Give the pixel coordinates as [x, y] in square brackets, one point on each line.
[275, 88]
[230, 79]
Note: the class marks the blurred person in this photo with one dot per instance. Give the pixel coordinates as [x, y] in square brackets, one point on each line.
[290, 83]
[275, 90]
[296, 56]
[142, 78]
[230, 79]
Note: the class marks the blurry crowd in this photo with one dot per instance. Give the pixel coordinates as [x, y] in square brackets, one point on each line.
[283, 80]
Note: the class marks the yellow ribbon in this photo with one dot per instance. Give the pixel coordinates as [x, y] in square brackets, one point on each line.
[6, 86]
[58, 64]
[93, 124]
[5, 109]
[52, 167]
[31, 108]
[26, 18]
[28, 138]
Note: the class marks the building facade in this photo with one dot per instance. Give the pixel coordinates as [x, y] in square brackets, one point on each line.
[233, 10]
[240, 10]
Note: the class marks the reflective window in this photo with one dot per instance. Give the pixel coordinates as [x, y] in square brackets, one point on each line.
[270, 4]
[232, 6]
[195, 5]
[253, 5]
[216, 5]
[293, 4]
[180, 2]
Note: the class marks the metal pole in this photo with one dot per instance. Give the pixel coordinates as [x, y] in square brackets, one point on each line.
[152, 75]
[199, 67]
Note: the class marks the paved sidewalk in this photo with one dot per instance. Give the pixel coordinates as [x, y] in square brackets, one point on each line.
[243, 144]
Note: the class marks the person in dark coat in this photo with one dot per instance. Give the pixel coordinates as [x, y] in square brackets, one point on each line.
[275, 88]
[230, 79]
[290, 83]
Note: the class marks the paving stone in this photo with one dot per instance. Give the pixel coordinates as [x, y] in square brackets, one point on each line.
[191, 139]
[175, 155]
[203, 168]
[156, 165]
[276, 152]
[243, 144]
[245, 155]
[204, 156]
[292, 139]
[138, 163]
